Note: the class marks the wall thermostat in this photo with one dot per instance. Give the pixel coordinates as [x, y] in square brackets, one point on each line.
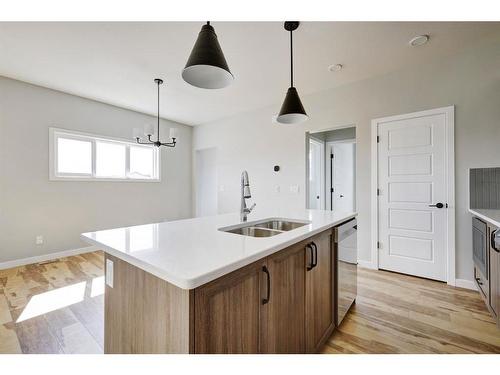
[276, 168]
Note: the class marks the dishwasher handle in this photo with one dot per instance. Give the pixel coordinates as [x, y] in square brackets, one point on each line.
[493, 242]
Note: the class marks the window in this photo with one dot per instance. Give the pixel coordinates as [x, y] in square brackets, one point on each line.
[80, 156]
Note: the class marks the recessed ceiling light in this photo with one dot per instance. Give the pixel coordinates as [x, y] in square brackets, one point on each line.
[335, 67]
[419, 40]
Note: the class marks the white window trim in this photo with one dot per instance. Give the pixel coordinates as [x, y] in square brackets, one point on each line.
[71, 134]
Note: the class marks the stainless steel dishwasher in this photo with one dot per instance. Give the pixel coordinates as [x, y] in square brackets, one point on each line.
[346, 250]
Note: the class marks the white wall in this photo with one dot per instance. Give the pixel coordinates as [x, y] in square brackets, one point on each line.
[32, 205]
[206, 182]
[470, 80]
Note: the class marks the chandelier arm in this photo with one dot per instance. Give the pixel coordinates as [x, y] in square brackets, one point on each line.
[169, 144]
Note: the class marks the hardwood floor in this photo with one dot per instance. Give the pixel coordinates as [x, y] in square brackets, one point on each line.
[58, 307]
[55, 307]
[397, 313]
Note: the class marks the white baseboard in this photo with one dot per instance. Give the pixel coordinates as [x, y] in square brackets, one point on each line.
[46, 257]
[367, 264]
[467, 284]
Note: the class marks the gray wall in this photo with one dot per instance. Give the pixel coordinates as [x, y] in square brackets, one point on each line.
[470, 80]
[32, 205]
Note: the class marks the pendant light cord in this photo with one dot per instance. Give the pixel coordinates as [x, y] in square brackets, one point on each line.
[291, 59]
[158, 133]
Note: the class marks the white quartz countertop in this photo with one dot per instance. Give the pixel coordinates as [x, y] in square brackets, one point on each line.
[491, 216]
[189, 253]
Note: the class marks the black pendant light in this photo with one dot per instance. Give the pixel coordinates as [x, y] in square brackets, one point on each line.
[292, 111]
[206, 67]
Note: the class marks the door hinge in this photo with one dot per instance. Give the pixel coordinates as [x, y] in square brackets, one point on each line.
[331, 156]
[378, 192]
[379, 245]
[378, 139]
[331, 190]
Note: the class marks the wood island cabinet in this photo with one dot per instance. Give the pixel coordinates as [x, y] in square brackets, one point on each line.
[283, 303]
[320, 293]
[283, 316]
[227, 312]
[495, 283]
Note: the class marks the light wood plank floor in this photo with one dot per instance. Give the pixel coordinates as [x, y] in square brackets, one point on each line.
[397, 313]
[393, 314]
[55, 307]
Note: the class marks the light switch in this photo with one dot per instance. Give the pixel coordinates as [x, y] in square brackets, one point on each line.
[222, 188]
[109, 273]
[277, 189]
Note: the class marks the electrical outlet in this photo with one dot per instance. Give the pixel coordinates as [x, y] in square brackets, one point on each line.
[294, 189]
[39, 240]
[109, 273]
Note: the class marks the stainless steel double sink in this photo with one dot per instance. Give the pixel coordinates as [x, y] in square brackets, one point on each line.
[265, 228]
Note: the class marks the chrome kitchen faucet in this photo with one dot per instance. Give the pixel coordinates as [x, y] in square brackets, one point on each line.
[245, 194]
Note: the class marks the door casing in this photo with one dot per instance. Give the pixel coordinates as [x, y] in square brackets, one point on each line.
[449, 113]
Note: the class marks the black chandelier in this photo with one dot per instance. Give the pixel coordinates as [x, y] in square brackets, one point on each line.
[149, 133]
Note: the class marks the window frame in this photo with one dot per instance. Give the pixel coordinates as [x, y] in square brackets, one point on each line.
[56, 133]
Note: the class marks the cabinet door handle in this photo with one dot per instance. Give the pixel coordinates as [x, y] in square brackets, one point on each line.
[479, 281]
[315, 254]
[266, 271]
[310, 266]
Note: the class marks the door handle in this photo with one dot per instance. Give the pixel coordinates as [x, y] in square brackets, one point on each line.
[310, 266]
[438, 205]
[315, 254]
[268, 296]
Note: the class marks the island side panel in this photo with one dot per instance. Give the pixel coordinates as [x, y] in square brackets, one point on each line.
[145, 314]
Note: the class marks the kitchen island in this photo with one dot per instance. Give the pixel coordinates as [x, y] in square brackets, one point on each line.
[198, 286]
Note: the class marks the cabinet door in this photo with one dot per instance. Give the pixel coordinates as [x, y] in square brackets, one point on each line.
[284, 314]
[227, 312]
[494, 281]
[320, 290]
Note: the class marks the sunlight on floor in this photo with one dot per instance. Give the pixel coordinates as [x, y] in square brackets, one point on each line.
[59, 298]
[97, 287]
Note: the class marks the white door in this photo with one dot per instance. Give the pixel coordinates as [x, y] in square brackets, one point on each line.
[316, 174]
[411, 181]
[343, 176]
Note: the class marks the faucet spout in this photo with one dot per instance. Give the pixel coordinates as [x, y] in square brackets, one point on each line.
[245, 194]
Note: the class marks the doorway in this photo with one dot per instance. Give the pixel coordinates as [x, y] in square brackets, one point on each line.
[331, 169]
[316, 174]
[206, 182]
[342, 172]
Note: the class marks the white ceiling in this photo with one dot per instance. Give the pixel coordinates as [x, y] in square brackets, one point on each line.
[116, 62]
